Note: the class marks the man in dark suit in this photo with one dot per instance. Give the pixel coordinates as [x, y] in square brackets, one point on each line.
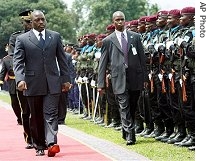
[41, 71]
[123, 55]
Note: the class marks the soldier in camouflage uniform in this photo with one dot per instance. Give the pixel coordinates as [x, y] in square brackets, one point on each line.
[101, 99]
[81, 71]
[151, 109]
[141, 26]
[186, 44]
[174, 77]
[164, 124]
[85, 66]
[172, 33]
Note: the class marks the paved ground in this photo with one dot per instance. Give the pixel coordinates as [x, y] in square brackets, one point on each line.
[103, 147]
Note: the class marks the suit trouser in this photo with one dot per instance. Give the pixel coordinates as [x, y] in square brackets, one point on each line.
[62, 108]
[44, 119]
[16, 107]
[37, 121]
[128, 103]
[113, 106]
[50, 109]
[25, 112]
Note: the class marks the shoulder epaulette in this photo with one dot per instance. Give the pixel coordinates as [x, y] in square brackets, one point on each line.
[17, 32]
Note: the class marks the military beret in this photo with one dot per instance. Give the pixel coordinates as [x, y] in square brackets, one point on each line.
[152, 18]
[110, 27]
[101, 36]
[142, 19]
[91, 36]
[26, 14]
[127, 23]
[174, 12]
[162, 13]
[188, 11]
[134, 23]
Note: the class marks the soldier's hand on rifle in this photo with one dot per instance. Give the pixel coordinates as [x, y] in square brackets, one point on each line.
[108, 77]
[101, 91]
[146, 85]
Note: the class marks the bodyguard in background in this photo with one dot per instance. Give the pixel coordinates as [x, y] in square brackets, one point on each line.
[38, 53]
[122, 52]
[19, 102]
[7, 75]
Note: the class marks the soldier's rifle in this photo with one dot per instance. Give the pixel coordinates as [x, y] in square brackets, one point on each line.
[79, 83]
[151, 54]
[85, 79]
[182, 52]
[172, 81]
[161, 52]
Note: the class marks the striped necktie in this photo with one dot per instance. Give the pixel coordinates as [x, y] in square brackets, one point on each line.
[124, 47]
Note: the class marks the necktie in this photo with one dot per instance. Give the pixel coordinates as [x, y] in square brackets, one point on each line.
[41, 40]
[124, 47]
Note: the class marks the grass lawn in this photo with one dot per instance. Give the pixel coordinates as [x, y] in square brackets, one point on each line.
[148, 147]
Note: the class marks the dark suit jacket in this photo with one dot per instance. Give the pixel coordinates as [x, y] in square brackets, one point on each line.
[7, 68]
[113, 58]
[39, 67]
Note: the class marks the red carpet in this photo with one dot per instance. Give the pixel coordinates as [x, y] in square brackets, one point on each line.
[12, 144]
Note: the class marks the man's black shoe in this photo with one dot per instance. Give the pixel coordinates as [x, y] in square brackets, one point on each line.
[29, 146]
[40, 152]
[118, 128]
[192, 148]
[130, 142]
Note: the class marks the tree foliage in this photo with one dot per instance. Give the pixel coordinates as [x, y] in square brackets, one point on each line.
[98, 14]
[85, 16]
[57, 15]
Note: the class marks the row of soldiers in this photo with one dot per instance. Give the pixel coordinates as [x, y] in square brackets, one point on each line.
[166, 109]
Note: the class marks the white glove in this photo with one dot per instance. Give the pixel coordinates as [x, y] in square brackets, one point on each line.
[74, 61]
[93, 83]
[79, 80]
[168, 44]
[170, 76]
[179, 41]
[160, 77]
[98, 54]
[157, 46]
[85, 79]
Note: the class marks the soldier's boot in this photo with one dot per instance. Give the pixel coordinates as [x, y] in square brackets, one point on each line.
[139, 125]
[169, 126]
[179, 136]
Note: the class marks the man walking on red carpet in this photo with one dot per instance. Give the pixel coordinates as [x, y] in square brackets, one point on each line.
[41, 71]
